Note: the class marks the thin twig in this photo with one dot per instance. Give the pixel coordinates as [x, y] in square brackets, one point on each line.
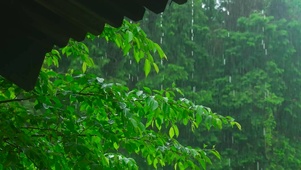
[15, 100]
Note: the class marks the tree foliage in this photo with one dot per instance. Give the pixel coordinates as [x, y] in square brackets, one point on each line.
[240, 58]
[243, 61]
[74, 119]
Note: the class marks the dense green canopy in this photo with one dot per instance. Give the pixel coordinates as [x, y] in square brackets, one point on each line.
[158, 93]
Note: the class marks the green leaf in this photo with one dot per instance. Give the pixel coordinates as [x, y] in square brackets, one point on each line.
[139, 93]
[219, 123]
[152, 103]
[158, 123]
[156, 67]
[176, 129]
[141, 54]
[155, 105]
[149, 160]
[171, 132]
[185, 121]
[203, 163]
[147, 90]
[147, 67]
[129, 36]
[160, 51]
[115, 145]
[126, 50]
[137, 55]
[199, 114]
[155, 162]
[237, 125]
[216, 153]
[84, 67]
[181, 166]
[134, 123]
[100, 80]
[179, 91]
[137, 42]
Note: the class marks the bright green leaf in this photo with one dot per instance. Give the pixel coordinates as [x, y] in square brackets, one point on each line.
[216, 153]
[156, 67]
[129, 36]
[149, 160]
[115, 145]
[155, 162]
[147, 67]
[84, 67]
[171, 132]
[176, 129]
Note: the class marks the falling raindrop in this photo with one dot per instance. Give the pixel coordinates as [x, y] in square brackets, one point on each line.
[129, 76]
[137, 78]
[161, 86]
[228, 12]
[161, 27]
[228, 34]
[262, 41]
[266, 51]
[130, 62]
[132, 78]
[230, 79]
[257, 165]
[203, 5]
[263, 131]
[263, 13]
[229, 162]
[224, 61]
[192, 10]
[162, 34]
[192, 23]
[194, 89]
[232, 139]
[266, 91]
[191, 75]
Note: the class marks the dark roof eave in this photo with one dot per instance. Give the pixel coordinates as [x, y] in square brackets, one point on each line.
[32, 28]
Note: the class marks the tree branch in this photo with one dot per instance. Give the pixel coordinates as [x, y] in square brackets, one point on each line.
[15, 100]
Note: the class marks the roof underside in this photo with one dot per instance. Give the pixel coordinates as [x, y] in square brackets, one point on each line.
[30, 29]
